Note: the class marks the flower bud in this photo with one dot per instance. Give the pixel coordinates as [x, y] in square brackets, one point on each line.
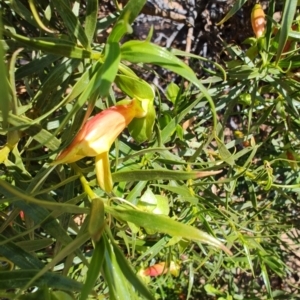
[258, 21]
[161, 268]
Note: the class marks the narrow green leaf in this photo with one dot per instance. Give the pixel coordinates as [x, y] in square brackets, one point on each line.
[295, 35]
[106, 76]
[14, 104]
[55, 78]
[34, 245]
[46, 293]
[107, 21]
[236, 6]
[55, 46]
[160, 174]
[113, 274]
[183, 190]
[171, 126]
[41, 135]
[268, 35]
[265, 276]
[130, 274]
[41, 216]
[18, 278]
[135, 87]
[136, 191]
[143, 51]
[35, 66]
[159, 223]
[286, 23]
[36, 16]
[4, 89]
[71, 22]
[132, 9]
[18, 255]
[218, 66]
[249, 258]
[172, 92]
[94, 269]
[224, 153]
[120, 29]
[18, 7]
[63, 207]
[91, 19]
[68, 249]
[84, 87]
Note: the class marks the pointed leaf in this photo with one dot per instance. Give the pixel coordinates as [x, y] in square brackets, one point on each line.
[130, 274]
[52, 205]
[286, 23]
[135, 87]
[55, 46]
[166, 225]
[139, 175]
[114, 277]
[18, 278]
[172, 92]
[94, 269]
[132, 9]
[91, 19]
[71, 22]
[4, 89]
[18, 255]
[236, 6]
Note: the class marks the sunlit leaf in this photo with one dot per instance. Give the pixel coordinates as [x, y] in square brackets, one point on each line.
[94, 269]
[287, 19]
[138, 175]
[166, 225]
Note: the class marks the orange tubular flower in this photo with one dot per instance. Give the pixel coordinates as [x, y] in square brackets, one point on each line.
[96, 137]
[161, 268]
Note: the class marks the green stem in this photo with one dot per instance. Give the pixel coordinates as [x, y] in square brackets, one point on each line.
[84, 182]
